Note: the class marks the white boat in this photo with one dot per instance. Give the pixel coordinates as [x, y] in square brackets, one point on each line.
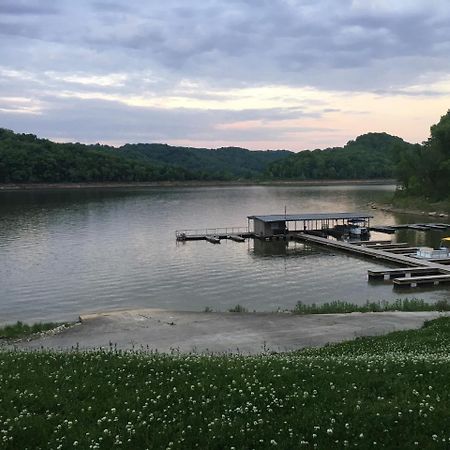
[355, 228]
[358, 231]
[355, 231]
[433, 253]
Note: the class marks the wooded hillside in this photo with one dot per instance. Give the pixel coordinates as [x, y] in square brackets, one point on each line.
[424, 170]
[371, 155]
[25, 158]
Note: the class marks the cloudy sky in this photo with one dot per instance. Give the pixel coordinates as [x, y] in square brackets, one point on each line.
[262, 74]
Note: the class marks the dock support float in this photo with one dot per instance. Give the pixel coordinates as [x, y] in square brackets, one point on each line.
[405, 272]
[413, 282]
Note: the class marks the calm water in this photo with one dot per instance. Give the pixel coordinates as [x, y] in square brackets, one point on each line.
[68, 252]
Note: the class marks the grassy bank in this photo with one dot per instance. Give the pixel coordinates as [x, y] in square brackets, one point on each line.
[384, 392]
[21, 330]
[339, 307]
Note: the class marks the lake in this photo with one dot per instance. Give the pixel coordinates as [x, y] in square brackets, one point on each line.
[67, 252]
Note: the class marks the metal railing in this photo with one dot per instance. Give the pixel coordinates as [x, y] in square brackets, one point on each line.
[211, 231]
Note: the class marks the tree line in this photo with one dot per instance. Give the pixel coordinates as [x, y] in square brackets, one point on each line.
[222, 163]
[420, 169]
[424, 170]
[369, 156]
[24, 158]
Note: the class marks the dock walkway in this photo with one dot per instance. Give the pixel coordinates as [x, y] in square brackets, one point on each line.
[371, 251]
[435, 273]
[237, 234]
[386, 274]
[435, 280]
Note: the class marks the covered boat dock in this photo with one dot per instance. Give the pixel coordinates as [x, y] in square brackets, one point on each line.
[267, 226]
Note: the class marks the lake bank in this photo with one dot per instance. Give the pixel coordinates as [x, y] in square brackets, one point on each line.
[108, 185]
[430, 212]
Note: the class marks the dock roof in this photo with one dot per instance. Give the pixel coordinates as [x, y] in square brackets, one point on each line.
[310, 216]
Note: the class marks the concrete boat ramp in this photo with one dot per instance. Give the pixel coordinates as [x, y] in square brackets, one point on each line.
[221, 332]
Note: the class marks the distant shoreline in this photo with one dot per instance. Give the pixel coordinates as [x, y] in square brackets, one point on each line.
[429, 212]
[144, 184]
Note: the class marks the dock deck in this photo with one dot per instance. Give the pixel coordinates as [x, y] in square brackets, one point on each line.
[395, 245]
[432, 272]
[387, 274]
[237, 234]
[412, 282]
[363, 250]
[391, 229]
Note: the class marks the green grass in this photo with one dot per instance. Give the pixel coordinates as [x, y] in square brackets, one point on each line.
[20, 329]
[382, 392]
[338, 306]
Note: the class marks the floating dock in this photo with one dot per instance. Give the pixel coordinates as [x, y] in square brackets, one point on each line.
[316, 228]
[369, 243]
[413, 282]
[387, 274]
[369, 251]
[400, 250]
[237, 234]
[418, 227]
[432, 272]
[445, 261]
[383, 229]
[391, 229]
[386, 246]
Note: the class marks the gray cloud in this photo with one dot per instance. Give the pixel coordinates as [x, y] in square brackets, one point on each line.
[27, 7]
[244, 42]
[406, 93]
[110, 7]
[380, 47]
[119, 123]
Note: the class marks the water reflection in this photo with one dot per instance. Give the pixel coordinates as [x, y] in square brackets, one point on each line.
[282, 248]
[431, 238]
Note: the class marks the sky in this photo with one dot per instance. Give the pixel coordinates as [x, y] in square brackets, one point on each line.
[259, 74]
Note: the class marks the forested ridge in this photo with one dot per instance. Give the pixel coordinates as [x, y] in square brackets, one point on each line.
[25, 158]
[424, 170]
[223, 163]
[371, 155]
